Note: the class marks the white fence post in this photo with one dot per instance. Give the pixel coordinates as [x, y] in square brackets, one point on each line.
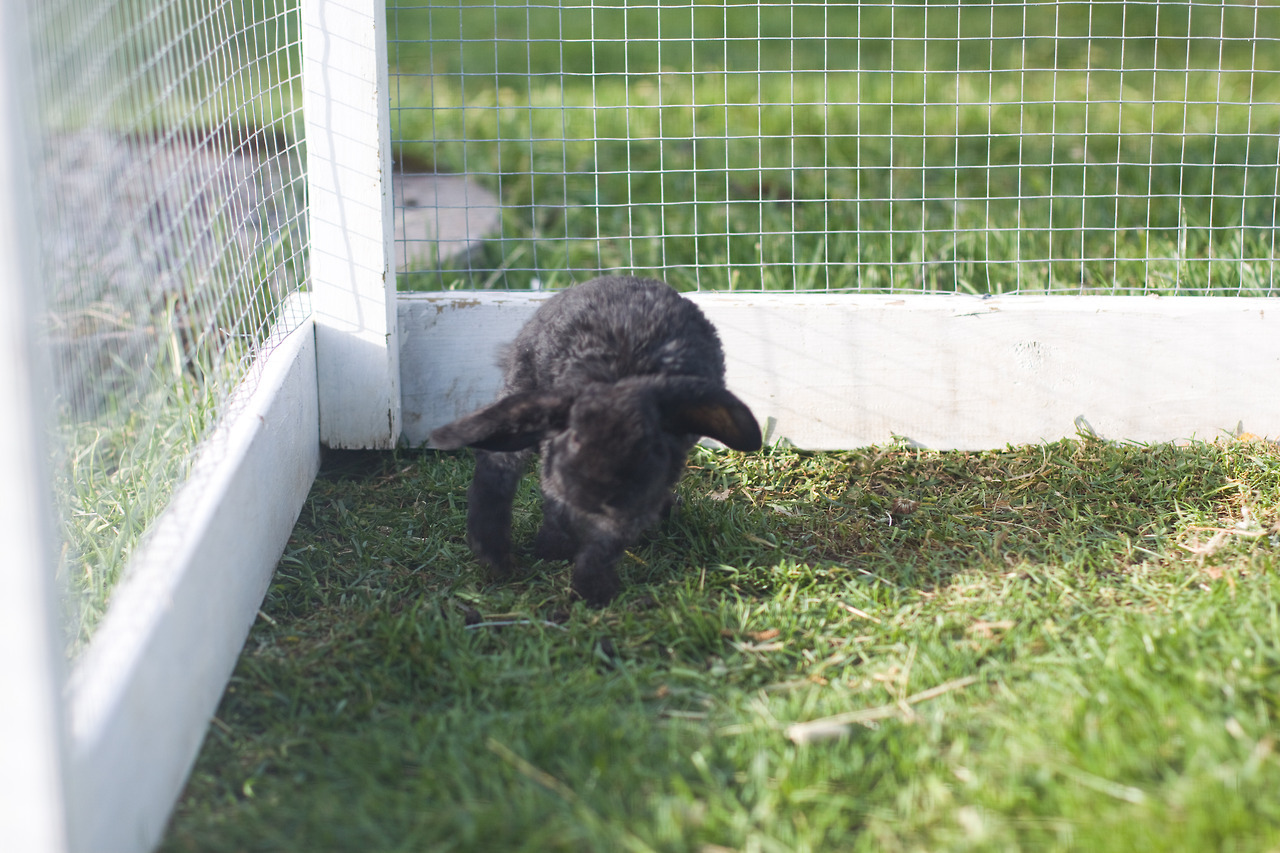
[347, 115]
[33, 731]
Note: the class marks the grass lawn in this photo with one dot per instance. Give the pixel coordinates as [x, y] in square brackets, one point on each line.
[1067, 646]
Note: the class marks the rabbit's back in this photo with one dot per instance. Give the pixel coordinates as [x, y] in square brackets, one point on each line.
[608, 329]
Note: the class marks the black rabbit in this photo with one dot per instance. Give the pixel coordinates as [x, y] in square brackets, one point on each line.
[614, 380]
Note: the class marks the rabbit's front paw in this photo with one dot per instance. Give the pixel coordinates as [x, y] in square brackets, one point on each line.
[499, 566]
[596, 586]
[493, 549]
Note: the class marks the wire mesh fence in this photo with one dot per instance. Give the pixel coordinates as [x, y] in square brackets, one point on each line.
[985, 147]
[1059, 147]
[170, 204]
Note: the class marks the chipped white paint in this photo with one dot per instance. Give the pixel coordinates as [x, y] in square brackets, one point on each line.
[449, 346]
[143, 692]
[826, 371]
[348, 132]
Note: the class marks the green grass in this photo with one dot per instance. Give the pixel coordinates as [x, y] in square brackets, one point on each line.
[983, 148]
[1107, 664]
[126, 432]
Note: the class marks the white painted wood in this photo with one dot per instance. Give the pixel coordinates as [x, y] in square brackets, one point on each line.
[448, 353]
[32, 724]
[830, 371]
[142, 694]
[348, 132]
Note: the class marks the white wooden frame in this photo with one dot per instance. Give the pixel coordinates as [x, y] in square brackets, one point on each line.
[825, 372]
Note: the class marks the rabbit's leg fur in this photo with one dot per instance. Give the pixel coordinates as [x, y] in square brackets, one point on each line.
[489, 508]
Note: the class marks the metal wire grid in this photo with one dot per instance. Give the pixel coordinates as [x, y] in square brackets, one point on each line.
[1060, 147]
[170, 201]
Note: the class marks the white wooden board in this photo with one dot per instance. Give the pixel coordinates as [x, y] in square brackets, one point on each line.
[142, 693]
[352, 276]
[831, 371]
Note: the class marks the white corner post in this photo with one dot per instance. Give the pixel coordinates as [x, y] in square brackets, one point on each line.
[347, 113]
[33, 729]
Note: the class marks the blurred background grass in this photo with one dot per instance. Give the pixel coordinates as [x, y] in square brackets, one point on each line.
[988, 147]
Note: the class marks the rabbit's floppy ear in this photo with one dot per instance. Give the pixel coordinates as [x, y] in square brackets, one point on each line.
[699, 407]
[512, 423]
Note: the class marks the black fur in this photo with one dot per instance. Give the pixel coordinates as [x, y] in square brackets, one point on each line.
[614, 381]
